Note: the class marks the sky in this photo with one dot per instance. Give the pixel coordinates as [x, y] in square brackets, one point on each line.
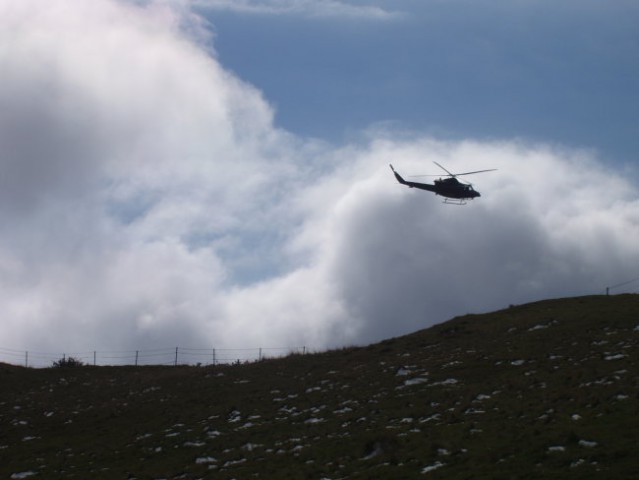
[214, 173]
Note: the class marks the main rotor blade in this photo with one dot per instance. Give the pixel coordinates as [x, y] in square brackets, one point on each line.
[451, 174]
[476, 171]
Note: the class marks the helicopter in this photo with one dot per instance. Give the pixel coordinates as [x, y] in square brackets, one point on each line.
[453, 191]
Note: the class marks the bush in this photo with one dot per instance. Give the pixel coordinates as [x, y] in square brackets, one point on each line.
[68, 362]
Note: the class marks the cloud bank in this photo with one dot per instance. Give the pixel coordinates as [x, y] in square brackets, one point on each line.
[147, 200]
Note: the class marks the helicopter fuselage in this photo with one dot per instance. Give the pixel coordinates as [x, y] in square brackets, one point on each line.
[453, 188]
[445, 187]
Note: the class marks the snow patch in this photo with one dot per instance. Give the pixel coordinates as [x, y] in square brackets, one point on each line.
[587, 443]
[415, 381]
[618, 356]
[537, 327]
[448, 381]
[433, 467]
[315, 420]
[201, 460]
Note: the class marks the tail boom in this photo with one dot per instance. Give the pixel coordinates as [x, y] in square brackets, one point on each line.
[421, 186]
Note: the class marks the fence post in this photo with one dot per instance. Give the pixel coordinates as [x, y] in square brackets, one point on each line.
[176, 355]
[214, 357]
[136, 357]
[260, 355]
[26, 358]
[94, 358]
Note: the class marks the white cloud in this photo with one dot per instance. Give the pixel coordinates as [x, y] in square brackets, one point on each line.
[121, 140]
[148, 201]
[550, 222]
[306, 8]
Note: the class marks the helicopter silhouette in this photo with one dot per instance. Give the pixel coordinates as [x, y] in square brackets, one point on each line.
[453, 191]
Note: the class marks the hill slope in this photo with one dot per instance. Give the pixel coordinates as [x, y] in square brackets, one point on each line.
[545, 390]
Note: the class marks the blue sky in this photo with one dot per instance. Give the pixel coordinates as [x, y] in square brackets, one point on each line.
[564, 73]
[214, 173]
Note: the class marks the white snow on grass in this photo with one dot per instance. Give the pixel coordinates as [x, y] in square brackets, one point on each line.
[481, 397]
[194, 444]
[537, 327]
[234, 417]
[314, 420]
[232, 463]
[448, 381]
[433, 467]
[202, 460]
[433, 417]
[415, 381]
[618, 356]
[587, 443]
[23, 475]
[557, 448]
[342, 411]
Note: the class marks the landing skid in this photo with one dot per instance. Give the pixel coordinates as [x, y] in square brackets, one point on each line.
[455, 201]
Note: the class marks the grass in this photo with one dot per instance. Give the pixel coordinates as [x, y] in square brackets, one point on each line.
[544, 390]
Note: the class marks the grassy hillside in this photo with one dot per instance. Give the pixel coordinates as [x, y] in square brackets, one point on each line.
[545, 390]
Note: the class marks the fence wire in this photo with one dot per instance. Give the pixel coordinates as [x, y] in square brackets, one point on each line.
[161, 356]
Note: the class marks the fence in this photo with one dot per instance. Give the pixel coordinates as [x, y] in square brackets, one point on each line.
[167, 356]
[622, 284]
